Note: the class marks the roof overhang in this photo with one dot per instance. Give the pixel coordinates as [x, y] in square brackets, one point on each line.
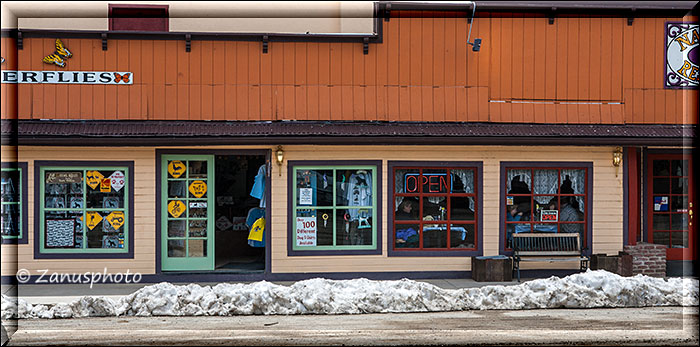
[169, 133]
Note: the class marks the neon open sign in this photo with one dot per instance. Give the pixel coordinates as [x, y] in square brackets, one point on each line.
[432, 182]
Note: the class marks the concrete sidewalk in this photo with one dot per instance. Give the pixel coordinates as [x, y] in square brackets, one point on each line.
[65, 293]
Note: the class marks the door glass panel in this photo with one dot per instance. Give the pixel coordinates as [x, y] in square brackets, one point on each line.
[661, 221]
[177, 189]
[198, 169]
[198, 189]
[176, 248]
[661, 186]
[324, 227]
[198, 228]
[197, 248]
[661, 238]
[197, 209]
[176, 228]
[679, 185]
[679, 168]
[661, 168]
[679, 240]
[679, 221]
[679, 203]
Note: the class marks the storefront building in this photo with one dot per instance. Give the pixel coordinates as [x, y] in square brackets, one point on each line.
[381, 140]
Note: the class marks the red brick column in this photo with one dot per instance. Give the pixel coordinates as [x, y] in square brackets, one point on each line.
[647, 259]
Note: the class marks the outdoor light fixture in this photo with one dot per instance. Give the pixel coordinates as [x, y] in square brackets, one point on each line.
[280, 158]
[476, 45]
[617, 158]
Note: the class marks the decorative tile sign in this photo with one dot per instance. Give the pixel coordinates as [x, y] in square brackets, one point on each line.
[67, 77]
[682, 55]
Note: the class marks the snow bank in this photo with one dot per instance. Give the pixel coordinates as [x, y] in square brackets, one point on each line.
[592, 289]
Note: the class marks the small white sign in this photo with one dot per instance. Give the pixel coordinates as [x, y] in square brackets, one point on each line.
[117, 180]
[306, 196]
[198, 204]
[306, 231]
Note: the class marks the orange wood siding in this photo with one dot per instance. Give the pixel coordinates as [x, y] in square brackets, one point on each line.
[577, 70]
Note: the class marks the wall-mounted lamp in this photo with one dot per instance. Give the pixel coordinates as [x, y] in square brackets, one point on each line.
[617, 158]
[280, 158]
[476, 45]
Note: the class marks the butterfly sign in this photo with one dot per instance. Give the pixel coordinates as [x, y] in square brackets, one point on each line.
[121, 77]
[59, 56]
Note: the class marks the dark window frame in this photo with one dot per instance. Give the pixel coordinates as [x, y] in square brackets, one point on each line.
[477, 166]
[540, 165]
[23, 167]
[38, 181]
[291, 165]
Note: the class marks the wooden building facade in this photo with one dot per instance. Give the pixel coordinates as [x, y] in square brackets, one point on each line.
[157, 151]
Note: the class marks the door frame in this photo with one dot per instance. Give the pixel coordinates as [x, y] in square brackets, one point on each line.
[267, 153]
[684, 254]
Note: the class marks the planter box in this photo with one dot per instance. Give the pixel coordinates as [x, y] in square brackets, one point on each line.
[620, 264]
[492, 269]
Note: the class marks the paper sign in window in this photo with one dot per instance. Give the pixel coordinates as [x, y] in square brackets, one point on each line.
[306, 231]
[93, 218]
[306, 196]
[198, 188]
[93, 179]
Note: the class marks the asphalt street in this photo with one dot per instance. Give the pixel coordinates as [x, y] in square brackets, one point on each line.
[653, 326]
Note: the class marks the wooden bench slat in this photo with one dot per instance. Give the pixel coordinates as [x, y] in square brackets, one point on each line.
[542, 246]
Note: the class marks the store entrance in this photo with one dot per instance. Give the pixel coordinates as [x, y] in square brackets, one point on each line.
[212, 212]
[236, 211]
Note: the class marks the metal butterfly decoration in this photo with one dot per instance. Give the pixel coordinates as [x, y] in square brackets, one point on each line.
[59, 57]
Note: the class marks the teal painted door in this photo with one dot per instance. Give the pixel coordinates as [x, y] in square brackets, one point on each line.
[187, 212]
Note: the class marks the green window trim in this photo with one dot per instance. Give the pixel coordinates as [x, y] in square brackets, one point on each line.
[84, 249]
[20, 211]
[296, 208]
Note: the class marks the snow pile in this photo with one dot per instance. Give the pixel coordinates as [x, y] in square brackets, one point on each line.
[592, 289]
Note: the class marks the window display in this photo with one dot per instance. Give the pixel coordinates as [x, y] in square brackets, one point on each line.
[334, 208]
[435, 208]
[84, 210]
[545, 199]
[12, 200]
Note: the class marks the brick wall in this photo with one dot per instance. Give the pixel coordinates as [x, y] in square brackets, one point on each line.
[648, 259]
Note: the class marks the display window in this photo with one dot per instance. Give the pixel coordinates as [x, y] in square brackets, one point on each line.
[546, 199]
[435, 208]
[13, 195]
[84, 209]
[334, 208]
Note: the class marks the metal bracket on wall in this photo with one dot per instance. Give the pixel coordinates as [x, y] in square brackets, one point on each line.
[188, 43]
[104, 41]
[265, 42]
[20, 43]
[365, 45]
[630, 19]
[552, 14]
[387, 12]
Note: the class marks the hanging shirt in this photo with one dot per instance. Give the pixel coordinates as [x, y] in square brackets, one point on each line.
[359, 192]
[256, 222]
[258, 190]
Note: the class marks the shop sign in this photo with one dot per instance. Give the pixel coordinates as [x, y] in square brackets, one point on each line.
[116, 219]
[64, 177]
[549, 215]
[432, 182]
[93, 218]
[176, 208]
[661, 204]
[198, 204]
[93, 178]
[117, 180]
[106, 185]
[198, 188]
[682, 55]
[306, 231]
[67, 77]
[176, 168]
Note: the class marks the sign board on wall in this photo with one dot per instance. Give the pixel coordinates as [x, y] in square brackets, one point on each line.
[68, 77]
[682, 55]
